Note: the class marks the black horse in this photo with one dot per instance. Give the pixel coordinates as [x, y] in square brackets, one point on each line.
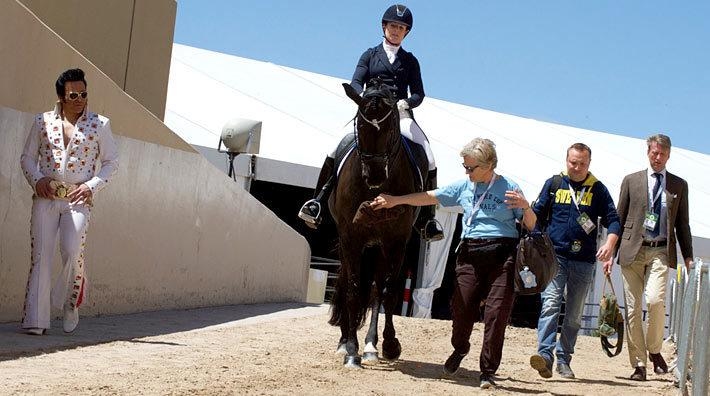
[372, 244]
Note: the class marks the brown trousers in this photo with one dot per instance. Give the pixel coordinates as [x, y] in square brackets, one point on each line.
[484, 272]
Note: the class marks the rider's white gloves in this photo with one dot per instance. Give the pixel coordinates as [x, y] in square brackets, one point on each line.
[402, 106]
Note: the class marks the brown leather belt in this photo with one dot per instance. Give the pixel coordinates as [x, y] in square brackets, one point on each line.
[655, 243]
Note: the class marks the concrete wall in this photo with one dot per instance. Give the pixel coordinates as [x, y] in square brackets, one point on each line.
[129, 40]
[170, 231]
[32, 56]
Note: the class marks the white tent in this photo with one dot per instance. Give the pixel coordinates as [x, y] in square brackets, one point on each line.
[304, 113]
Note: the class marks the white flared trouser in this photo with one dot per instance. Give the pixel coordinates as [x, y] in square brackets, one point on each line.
[70, 221]
[409, 129]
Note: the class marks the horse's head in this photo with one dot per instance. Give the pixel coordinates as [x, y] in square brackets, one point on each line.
[376, 129]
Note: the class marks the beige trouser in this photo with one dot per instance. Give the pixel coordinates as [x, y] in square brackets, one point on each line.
[647, 273]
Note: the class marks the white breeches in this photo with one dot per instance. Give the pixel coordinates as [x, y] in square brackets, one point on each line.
[410, 130]
[49, 218]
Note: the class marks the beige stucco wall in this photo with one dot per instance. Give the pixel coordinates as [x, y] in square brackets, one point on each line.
[170, 231]
[32, 56]
[129, 40]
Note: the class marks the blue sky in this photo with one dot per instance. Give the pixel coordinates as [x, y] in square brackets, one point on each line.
[631, 68]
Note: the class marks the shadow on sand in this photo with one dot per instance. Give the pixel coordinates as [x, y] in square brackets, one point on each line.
[14, 343]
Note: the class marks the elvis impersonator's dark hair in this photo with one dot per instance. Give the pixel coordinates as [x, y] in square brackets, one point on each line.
[68, 75]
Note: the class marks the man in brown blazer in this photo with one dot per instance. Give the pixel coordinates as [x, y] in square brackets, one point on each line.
[653, 209]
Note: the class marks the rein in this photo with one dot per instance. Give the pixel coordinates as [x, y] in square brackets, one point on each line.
[375, 122]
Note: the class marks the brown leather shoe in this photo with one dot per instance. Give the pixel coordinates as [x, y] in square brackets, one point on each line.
[659, 365]
[639, 374]
[542, 365]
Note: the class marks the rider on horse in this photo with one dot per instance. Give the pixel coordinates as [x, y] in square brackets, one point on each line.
[399, 68]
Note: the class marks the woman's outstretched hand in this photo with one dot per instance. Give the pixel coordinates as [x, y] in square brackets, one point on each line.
[383, 201]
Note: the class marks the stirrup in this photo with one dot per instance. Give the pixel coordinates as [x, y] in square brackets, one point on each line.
[432, 235]
[310, 213]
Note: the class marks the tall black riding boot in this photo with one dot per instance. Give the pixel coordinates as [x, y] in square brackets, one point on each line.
[429, 228]
[311, 210]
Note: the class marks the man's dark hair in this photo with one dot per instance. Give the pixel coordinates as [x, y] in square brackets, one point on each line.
[68, 75]
[580, 147]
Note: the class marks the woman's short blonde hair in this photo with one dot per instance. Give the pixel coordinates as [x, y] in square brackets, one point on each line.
[483, 151]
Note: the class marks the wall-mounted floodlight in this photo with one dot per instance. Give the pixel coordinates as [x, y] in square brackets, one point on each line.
[239, 136]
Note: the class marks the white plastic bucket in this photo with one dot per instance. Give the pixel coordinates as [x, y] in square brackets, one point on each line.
[317, 280]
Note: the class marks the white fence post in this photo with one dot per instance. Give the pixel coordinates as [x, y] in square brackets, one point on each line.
[676, 302]
[693, 331]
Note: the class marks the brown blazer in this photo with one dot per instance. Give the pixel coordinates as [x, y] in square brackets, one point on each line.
[633, 204]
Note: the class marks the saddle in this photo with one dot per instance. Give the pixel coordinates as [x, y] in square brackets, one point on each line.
[610, 321]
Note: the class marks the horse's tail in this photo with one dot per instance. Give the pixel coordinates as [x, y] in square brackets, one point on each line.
[338, 301]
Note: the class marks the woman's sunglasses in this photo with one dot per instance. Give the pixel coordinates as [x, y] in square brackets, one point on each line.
[76, 95]
[470, 169]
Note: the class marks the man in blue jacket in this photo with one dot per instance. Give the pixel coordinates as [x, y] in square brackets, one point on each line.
[578, 201]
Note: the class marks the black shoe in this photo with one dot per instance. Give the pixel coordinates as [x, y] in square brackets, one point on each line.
[453, 362]
[542, 365]
[639, 374]
[564, 370]
[486, 381]
[659, 364]
[432, 231]
[310, 213]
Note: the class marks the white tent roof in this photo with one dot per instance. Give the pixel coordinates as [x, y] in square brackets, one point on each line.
[304, 113]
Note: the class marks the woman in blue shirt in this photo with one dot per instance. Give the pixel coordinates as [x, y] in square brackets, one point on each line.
[485, 264]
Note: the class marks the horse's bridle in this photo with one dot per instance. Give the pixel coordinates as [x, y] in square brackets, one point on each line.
[375, 122]
[384, 157]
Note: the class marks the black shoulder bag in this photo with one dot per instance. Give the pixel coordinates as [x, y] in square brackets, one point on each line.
[536, 262]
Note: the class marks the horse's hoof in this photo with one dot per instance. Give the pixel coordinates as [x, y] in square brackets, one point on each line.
[342, 350]
[352, 361]
[369, 358]
[391, 349]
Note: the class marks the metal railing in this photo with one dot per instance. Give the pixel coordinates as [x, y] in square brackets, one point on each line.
[690, 327]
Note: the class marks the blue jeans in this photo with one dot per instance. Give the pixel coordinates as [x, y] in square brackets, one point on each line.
[577, 277]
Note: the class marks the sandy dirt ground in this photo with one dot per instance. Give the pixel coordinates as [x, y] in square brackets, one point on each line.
[280, 349]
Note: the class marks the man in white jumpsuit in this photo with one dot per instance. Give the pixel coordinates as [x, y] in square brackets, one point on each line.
[68, 157]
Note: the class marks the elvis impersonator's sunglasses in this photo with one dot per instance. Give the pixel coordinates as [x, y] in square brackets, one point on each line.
[75, 95]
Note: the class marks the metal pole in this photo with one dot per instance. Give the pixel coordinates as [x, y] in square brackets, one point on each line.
[700, 370]
[685, 333]
[252, 172]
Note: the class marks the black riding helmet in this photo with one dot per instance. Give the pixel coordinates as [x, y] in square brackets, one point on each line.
[400, 14]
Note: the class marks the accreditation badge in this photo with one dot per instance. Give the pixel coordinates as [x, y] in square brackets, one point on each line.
[586, 223]
[650, 221]
[576, 246]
